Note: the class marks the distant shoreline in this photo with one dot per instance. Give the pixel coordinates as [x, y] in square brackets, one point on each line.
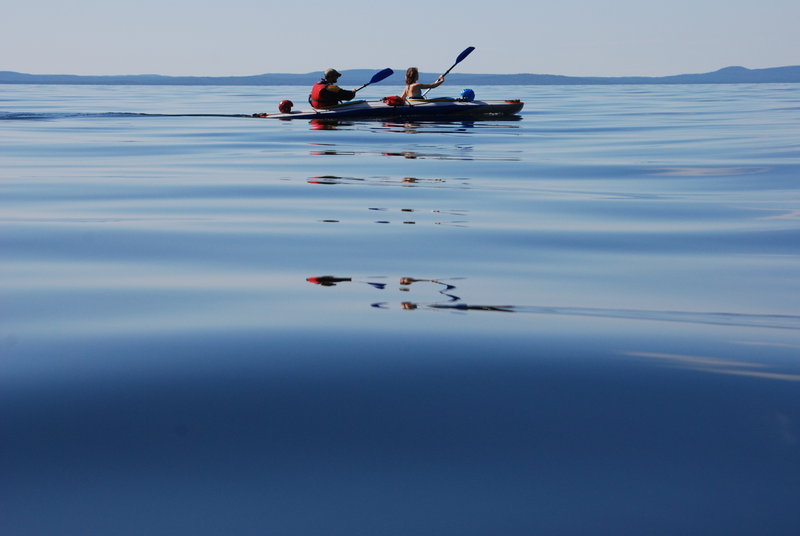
[727, 75]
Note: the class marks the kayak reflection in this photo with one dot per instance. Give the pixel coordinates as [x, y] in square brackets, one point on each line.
[459, 152]
[408, 216]
[445, 127]
[412, 127]
[405, 182]
[447, 299]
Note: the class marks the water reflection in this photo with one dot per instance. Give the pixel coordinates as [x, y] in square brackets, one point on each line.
[406, 182]
[414, 127]
[465, 154]
[446, 298]
[331, 152]
[332, 281]
[437, 127]
[328, 124]
[458, 152]
[455, 303]
[405, 215]
[707, 171]
[410, 216]
[725, 366]
[407, 219]
[784, 215]
[444, 127]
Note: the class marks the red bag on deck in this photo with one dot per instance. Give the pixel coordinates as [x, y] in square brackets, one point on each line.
[394, 100]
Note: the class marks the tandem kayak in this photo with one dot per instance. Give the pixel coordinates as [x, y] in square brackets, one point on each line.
[421, 109]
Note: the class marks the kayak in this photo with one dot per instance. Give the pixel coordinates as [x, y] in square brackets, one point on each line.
[420, 109]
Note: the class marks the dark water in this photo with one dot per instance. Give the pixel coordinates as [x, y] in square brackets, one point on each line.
[583, 321]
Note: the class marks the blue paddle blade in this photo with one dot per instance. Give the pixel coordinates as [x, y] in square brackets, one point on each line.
[467, 52]
[380, 75]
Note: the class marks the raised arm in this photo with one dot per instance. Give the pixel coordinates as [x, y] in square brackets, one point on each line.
[439, 82]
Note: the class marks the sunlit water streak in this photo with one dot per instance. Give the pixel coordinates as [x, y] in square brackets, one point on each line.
[580, 321]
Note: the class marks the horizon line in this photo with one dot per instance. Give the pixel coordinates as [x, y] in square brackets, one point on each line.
[396, 71]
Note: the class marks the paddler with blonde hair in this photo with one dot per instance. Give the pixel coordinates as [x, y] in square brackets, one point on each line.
[414, 88]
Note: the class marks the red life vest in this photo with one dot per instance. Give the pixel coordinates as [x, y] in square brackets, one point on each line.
[320, 98]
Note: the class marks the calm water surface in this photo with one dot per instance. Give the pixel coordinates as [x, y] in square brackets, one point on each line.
[583, 321]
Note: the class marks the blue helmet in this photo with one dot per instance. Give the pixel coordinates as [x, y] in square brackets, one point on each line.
[467, 95]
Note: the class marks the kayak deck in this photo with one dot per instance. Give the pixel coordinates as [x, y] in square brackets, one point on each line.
[420, 109]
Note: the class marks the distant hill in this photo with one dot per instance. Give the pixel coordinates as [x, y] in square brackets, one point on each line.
[728, 75]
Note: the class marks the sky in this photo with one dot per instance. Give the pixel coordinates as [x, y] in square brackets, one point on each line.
[248, 37]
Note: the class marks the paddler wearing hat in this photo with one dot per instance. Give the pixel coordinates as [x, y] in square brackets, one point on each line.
[326, 93]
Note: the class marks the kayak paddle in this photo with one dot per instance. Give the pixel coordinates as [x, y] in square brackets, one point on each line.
[466, 52]
[377, 77]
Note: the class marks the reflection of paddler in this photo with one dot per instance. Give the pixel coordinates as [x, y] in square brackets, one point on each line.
[327, 280]
[411, 155]
[324, 124]
[406, 282]
[331, 281]
[324, 179]
[410, 280]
